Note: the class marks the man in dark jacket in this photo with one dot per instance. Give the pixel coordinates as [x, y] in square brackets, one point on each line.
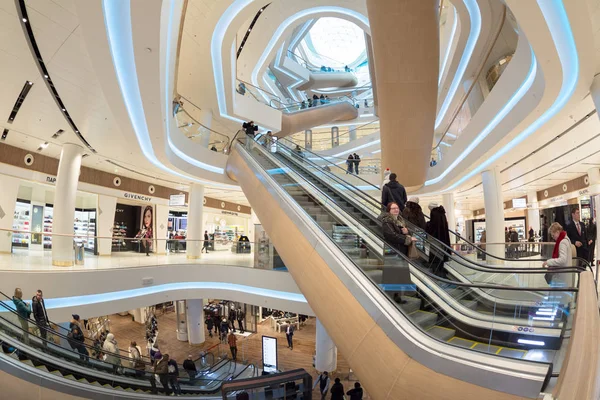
[337, 390]
[24, 311]
[39, 314]
[190, 367]
[576, 232]
[591, 235]
[356, 393]
[173, 371]
[356, 162]
[241, 316]
[393, 192]
[77, 340]
[209, 325]
[232, 318]
[161, 369]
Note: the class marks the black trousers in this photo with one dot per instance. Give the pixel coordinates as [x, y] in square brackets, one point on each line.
[290, 340]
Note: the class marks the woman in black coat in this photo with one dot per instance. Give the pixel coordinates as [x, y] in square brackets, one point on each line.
[438, 228]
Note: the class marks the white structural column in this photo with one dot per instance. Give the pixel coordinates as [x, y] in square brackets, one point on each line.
[352, 133]
[448, 204]
[8, 201]
[162, 222]
[326, 359]
[494, 211]
[533, 213]
[64, 204]
[594, 185]
[195, 321]
[205, 118]
[195, 235]
[105, 221]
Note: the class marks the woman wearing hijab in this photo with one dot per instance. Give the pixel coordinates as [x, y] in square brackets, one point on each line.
[413, 213]
[111, 349]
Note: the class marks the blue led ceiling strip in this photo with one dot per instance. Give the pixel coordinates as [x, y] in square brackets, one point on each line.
[449, 47]
[75, 301]
[475, 17]
[562, 35]
[117, 21]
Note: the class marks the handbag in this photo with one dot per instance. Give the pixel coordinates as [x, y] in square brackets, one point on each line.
[548, 276]
[413, 253]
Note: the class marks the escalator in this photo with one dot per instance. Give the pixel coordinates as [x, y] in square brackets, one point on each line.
[350, 276]
[33, 358]
[518, 310]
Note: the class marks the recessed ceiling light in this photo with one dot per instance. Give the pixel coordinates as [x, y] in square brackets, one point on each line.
[44, 145]
[24, 19]
[30, 83]
[64, 109]
[46, 76]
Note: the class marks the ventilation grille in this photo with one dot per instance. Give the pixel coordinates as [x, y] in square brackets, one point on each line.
[26, 88]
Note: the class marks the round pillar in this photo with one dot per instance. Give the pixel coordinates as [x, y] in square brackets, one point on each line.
[195, 234]
[335, 136]
[195, 321]
[448, 204]
[64, 204]
[533, 213]
[352, 133]
[494, 212]
[308, 139]
[406, 51]
[181, 321]
[326, 359]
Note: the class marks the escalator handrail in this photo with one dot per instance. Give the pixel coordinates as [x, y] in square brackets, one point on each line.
[410, 262]
[444, 280]
[414, 228]
[437, 243]
[57, 362]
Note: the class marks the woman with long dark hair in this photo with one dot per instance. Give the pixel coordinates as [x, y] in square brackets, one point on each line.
[146, 236]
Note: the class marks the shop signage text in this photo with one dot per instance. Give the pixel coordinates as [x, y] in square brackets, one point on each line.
[51, 179]
[133, 196]
[584, 192]
[229, 213]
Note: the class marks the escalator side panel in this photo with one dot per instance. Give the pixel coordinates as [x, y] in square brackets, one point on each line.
[378, 360]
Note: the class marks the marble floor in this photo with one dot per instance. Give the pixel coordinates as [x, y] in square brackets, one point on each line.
[41, 260]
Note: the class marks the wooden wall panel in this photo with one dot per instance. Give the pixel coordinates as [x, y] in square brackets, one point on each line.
[572, 185]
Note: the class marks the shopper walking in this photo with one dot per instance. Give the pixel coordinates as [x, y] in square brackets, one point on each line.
[224, 329]
[190, 367]
[413, 213]
[337, 390]
[111, 349]
[206, 241]
[173, 373]
[393, 192]
[289, 334]
[209, 325]
[356, 162]
[437, 227]
[241, 317]
[356, 393]
[323, 382]
[24, 312]
[350, 164]
[232, 341]
[40, 315]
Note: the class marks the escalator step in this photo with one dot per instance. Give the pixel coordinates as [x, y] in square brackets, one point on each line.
[83, 380]
[487, 348]
[442, 333]
[424, 319]
[70, 377]
[28, 362]
[57, 373]
[42, 368]
[413, 304]
[472, 304]
[130, 390]
[95, 383]
[512, 353]
[462, 342]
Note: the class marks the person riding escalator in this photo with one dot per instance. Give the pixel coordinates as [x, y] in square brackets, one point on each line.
[395, 233]
[437, 227]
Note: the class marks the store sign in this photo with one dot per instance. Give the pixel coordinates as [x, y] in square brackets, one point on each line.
[51, 179]
[584, 192]
[229, 213]
[519, 203]
[133, 196]
[177, 200]
[269, 354]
